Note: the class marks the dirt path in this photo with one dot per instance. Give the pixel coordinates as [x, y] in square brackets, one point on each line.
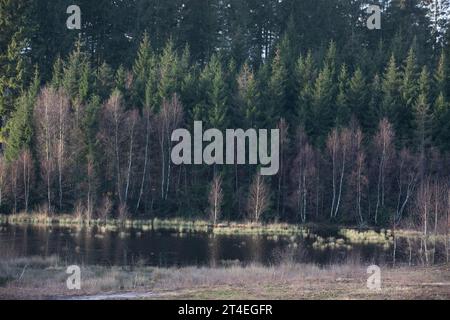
[113, 296]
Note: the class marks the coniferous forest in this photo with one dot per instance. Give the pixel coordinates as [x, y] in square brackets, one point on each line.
[364, 115]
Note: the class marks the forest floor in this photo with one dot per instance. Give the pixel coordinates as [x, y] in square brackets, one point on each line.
[37, 278]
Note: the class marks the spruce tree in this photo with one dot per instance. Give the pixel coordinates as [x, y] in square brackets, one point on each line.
[90, 128]
[441, 108]
[323, 95]
[248, 97]
[277, 89]
[441, 77]
[216, 95]
[120, 79]
[408, 89]
[142, 67]
[58, 73]
[423, 118]
[404, 114]
[19, 129]
[359, 102]
[76, 75]
[169, 77]
[441, 123]
[13, 75]
[104, 81]
[343, 112]
[189, 82]
[306, 76]
[375, 103]
[330, 58]
[390, 89]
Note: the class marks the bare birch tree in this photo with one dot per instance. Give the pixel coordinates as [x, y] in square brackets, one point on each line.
[131, 123]
[333, 149]
[148, 127]
[338, 144]
[114, 116]
[304, 170]
[14, 167]
[3, 178]
[215, 199]
[63, 117]
[26, 164]
[168, 119]
[447, 225]
[358, 177]
[407, 180]
[283, 127]
[113, 135]
[423, 207]
[439, 207]
[52, 121]
[383, 145]
[259, 198]
[90, 189]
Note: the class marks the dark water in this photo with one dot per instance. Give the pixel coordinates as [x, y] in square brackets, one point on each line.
[164, 248]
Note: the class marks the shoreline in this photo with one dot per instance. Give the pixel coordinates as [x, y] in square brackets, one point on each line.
[175, 224]
[181, 225]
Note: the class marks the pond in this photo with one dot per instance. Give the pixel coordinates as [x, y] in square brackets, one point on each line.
[93, 246]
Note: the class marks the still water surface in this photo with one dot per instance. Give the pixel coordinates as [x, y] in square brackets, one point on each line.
[164, 248]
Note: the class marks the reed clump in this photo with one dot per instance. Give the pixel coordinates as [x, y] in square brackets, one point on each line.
[367, 237]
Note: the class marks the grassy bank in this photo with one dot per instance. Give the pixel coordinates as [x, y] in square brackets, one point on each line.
[179, 225]
[37, 278]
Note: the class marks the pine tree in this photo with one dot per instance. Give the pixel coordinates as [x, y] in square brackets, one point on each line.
[199, 26]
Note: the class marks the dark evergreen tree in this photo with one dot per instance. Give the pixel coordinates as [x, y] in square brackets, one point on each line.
[358, 98]
[18, 132]
[390, 88]
[343, 112]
